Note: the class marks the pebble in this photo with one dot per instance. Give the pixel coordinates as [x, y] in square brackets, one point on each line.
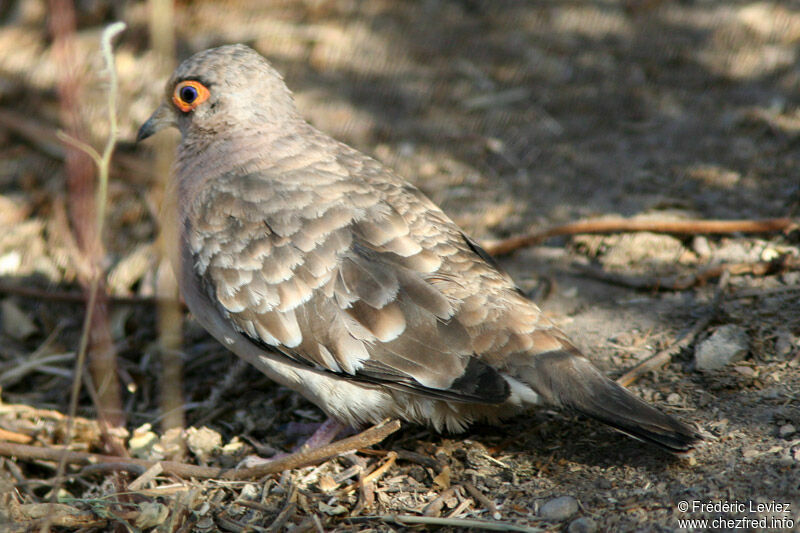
[203, 442]
[582, 525]
[205, 524]
[16, 324]
[559, 508]
[785, 342]
[674, 399]
[727, 344]
[749, 453]
[142, 441]
[786, 430]
[700, 246]
[150, 515]
[249, 492]
[736, 252]
[791, 278]
[642, 248]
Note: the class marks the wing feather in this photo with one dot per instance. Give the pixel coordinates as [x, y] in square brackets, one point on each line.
[363, 289]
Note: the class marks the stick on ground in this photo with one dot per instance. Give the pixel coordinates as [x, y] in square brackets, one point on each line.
[366, 438]
[459, 523]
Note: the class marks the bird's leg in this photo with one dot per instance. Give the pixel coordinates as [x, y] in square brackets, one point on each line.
[325, 433]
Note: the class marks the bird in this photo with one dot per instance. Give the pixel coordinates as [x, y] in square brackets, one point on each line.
[344, 282]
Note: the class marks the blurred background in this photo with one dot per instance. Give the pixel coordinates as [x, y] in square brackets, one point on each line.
[511, 115]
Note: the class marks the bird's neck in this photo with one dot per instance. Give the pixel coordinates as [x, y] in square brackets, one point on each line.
[281, 153]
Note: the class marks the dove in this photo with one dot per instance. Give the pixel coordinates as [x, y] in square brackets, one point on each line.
[342, 281]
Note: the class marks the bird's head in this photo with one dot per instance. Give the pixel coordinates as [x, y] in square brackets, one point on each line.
[230, 88]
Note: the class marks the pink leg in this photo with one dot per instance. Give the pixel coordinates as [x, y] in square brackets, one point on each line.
[324, 434]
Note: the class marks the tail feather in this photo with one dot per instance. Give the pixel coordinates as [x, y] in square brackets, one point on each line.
[570, 380]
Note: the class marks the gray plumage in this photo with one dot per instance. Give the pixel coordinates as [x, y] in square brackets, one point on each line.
[342, 281]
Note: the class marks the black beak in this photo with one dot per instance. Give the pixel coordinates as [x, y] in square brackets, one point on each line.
[160, 119]
[147, 129]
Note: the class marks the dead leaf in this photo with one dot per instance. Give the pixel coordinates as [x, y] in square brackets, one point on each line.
[443, 479]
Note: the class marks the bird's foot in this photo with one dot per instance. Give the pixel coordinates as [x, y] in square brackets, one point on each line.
[325, 433]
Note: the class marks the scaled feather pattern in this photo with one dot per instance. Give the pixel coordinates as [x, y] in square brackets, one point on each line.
[341, 280]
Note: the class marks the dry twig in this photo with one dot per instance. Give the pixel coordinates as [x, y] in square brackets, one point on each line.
[95, 336]
[369, 437]
[13, 436]
[460, 523]
[366, 478]
[486, 502]
[78, 297]
[435, 506]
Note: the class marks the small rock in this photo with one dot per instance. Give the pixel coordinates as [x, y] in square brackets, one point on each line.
[701, 247]
[232, 453]
[249, 492]
[63, 495]
[736, 252]
[559, 508]
[142, 441]
[642, 248]
[151, 514]
[674, 399]
[785, 342]
[727, 344]
[16, 324]
[786, 430]
[582, 525]
[234, 448]
[170, 445]
[205, 524]
[791, 278]
[203, 442]
[749, 453]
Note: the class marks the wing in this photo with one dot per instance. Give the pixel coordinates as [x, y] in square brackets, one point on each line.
[351, 279]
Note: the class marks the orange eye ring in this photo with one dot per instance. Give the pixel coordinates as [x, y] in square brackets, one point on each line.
[189, 94]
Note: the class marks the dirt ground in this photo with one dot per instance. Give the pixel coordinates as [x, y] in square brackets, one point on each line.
[511, 115]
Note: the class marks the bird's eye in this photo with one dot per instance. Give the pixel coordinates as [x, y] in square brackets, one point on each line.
[189, 94]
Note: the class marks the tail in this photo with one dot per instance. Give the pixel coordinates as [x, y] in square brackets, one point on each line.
[570, 380]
